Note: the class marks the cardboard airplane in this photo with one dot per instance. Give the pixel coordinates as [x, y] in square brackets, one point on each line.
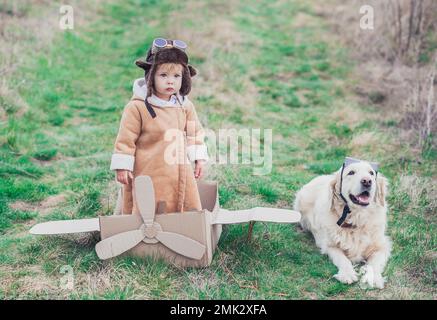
[186, 239]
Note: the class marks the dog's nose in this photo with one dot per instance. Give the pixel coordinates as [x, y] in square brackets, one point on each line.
[366, 182]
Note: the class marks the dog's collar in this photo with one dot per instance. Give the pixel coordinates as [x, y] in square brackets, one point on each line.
[346, 211]
[348, 225]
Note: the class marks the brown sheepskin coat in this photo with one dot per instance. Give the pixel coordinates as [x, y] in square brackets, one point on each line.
[163, 148]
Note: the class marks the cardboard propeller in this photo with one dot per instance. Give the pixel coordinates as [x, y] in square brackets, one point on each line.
[150, 231]
[186, 239]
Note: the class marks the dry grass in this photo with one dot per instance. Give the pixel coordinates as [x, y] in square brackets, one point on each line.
[400, 28]
[419, 190]
[402, 287]
[97, 283]
[420, 111]
[396, 61]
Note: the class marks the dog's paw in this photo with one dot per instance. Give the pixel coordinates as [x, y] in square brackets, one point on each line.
[346, 276]
[371, 279]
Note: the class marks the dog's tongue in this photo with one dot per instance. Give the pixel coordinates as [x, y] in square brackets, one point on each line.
[363, 198]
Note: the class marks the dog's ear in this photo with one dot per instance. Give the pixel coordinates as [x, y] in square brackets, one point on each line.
[334, 189]
[381, 190]
[335, 183]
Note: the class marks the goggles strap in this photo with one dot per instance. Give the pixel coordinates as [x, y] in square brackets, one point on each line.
[346, 209]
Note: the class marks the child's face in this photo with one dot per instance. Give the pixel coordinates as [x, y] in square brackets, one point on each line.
[168, 80]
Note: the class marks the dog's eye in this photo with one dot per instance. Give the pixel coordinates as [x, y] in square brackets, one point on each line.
[351, 173]
[371, 173]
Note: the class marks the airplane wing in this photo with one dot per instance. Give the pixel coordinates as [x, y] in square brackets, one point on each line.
[257, 214]
[66, 226]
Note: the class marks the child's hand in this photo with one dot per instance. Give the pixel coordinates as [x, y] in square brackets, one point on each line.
[199, 170]
[123, 176]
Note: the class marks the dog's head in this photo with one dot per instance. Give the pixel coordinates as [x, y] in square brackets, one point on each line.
[360, 185]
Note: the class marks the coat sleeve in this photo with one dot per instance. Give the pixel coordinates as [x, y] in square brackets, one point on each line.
[196, 147]
[125, 144]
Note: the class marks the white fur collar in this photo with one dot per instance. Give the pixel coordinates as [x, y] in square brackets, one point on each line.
[140, 90]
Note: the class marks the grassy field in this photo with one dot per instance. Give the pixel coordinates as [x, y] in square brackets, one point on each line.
[261, 65]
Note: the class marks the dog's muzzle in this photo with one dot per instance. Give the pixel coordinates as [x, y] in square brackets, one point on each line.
[362, 199]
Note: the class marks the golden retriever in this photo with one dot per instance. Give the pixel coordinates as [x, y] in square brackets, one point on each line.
[361, 237]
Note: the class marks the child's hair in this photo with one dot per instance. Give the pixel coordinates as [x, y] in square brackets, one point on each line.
[170, 66]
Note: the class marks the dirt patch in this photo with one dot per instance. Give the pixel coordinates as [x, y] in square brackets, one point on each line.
[365, 143]
[44, 207]
[77, 121]
[349, 114]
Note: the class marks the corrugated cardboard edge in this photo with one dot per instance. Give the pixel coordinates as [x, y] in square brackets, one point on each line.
[208, 191]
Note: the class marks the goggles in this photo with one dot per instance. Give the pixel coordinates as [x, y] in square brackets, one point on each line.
[350, 160]
[161, 43]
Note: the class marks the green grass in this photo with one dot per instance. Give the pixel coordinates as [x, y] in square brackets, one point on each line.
[63, 143]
